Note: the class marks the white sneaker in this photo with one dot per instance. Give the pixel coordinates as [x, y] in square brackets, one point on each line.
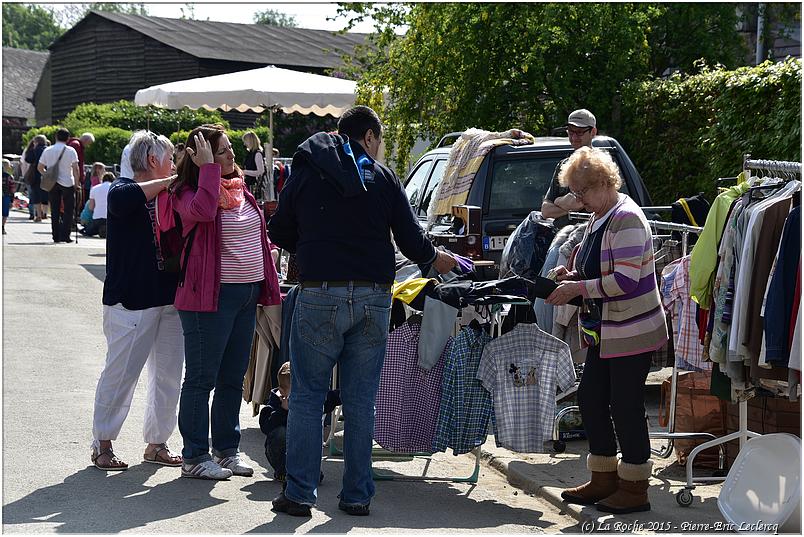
[234, 464]
[205, 470]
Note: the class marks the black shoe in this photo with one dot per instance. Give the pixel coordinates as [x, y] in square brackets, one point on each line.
[354, 510]
[67, 240]
[283, 505]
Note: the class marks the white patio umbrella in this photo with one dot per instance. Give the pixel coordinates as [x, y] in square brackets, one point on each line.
[267, 88]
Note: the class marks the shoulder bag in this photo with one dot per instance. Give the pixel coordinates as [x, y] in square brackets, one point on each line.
[51, 174]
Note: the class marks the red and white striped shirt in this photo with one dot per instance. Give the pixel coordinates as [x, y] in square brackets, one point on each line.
[241, 246]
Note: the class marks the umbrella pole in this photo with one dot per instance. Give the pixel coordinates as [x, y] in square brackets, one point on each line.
[269, 157]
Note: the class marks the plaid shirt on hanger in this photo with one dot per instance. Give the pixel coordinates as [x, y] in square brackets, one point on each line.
[409, 397]
[522, 370]
[466, 408]
[688, 346]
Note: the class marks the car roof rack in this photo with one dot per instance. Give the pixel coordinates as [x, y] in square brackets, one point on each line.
[451, 137]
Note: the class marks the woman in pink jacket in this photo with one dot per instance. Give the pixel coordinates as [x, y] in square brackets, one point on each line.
[229, 270]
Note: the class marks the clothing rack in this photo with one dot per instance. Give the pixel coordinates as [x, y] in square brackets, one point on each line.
[684, 497]
[670, 434]
[497, 315]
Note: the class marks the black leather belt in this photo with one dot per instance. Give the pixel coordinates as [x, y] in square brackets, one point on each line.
[343, 283]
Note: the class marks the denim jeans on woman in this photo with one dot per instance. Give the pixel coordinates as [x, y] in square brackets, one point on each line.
[216, 353]
[347, 326]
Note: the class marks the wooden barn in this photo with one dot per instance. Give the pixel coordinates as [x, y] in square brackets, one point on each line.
[106, 57]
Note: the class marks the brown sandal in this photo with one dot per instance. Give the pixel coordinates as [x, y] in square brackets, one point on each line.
[169, 460]
[114, 463]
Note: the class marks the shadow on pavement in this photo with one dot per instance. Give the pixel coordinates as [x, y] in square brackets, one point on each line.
[84, 504]
[99, 271]
[399, 504]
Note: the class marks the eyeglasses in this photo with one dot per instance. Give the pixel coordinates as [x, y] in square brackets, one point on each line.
[575, 132]
[580, 194]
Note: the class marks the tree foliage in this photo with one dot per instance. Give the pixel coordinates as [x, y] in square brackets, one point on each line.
[274, 17]
[680, 34]
[29, 26]
[502, 65]
[69, 14]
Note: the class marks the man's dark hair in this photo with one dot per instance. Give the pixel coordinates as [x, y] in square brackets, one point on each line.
[108, 177]
[357, 120]
[62, 135]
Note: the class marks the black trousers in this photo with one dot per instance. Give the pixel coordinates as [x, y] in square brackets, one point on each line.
[613, 389]
[275, 450]
[61, 222]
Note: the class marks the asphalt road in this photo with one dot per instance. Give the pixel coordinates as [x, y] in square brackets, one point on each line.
[53, 352]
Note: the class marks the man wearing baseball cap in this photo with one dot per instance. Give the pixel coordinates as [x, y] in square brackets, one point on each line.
[558, 201]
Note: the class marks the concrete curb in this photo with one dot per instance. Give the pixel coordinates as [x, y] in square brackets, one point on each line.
[523, 481]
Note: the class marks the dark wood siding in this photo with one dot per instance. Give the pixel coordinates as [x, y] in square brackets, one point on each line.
[101, 62]
[73, 68]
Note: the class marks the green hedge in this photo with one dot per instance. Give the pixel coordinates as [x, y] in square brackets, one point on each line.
[108, 146]
[684, 132]
[235, 137]
[128, 116]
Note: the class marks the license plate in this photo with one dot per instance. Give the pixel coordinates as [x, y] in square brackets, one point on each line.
[494, 243]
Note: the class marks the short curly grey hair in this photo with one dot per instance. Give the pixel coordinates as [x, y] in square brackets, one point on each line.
[589, 166]
[144, 143]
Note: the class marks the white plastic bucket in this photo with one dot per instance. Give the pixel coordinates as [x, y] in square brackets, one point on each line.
[763, 487]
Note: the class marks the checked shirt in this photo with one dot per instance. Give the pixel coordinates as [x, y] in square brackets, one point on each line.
[466, 407]
[522, 370]
[409, 397]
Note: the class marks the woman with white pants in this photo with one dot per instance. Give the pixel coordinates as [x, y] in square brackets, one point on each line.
[139, 321]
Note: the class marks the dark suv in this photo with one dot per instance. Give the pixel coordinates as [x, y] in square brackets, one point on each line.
[510, 184]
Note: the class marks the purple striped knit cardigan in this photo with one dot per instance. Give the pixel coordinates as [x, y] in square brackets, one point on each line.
[633, 319]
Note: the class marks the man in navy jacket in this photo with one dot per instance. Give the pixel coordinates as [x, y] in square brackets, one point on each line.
[337, 212]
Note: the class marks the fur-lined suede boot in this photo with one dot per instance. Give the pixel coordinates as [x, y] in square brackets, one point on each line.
[632, 490]
[602, 485]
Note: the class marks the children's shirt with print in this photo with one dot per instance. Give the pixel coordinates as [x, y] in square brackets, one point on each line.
[463, 419]
[688, 347]
[522, 370]
[409, 397]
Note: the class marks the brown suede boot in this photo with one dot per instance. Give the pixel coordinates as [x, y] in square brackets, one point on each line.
[603, 483]
[632, 490]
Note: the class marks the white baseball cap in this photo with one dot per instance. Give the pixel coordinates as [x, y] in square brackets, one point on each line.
[582, 118]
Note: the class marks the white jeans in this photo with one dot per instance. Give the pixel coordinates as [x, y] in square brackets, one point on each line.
[134, 337]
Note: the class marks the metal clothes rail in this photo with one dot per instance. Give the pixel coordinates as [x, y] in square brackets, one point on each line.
[684, 496]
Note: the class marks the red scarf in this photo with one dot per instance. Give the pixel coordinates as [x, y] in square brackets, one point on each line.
[231, 194]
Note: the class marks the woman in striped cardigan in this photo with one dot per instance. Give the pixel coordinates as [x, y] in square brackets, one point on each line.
[622, 324]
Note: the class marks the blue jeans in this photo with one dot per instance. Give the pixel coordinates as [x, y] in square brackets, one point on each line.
[217, 346]
[347, 326]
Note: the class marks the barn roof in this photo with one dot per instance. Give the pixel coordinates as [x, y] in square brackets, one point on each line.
[21, 71]
[255, 43]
